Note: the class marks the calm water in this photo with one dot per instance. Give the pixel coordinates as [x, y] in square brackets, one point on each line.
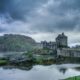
[40, 72]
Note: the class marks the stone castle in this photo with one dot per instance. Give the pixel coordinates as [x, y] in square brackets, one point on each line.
[61, 41]
[61, 46]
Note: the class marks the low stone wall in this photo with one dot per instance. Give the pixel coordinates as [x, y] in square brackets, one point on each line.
[68, 52]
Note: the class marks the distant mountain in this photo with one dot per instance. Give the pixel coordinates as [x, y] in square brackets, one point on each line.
[13, 42]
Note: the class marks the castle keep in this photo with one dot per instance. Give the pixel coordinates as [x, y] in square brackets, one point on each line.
[61, 41]
[61, 46]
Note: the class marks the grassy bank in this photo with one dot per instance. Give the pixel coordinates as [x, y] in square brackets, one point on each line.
[44, 62]
[3, 62]
[74, 78]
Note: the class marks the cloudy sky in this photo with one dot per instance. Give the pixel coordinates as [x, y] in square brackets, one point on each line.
[41, 19]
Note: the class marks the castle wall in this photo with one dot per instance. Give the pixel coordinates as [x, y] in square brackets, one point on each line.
[68, 52]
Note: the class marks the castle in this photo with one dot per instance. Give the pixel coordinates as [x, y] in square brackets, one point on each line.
[61, 41]
[61, 46]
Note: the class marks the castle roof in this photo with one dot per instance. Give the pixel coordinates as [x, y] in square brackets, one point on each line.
[62, 36]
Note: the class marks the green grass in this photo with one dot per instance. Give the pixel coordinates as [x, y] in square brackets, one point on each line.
[3, 62]
[74, 78]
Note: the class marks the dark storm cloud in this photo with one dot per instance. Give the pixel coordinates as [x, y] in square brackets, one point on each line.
[42, 15]
[63, 15]
[41, 19]
[72, 4]
[18, 9]
[3, 4]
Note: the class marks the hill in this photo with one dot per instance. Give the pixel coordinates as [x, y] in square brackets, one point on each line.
[13, 42]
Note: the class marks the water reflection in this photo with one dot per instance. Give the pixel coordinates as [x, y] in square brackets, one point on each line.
[63, 70]
[77, 68]
[39, 72]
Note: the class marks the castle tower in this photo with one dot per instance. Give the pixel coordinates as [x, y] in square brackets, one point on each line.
[62, 41]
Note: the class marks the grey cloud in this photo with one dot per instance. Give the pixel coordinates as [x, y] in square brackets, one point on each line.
[64, 15]
[18, 9]
[40, 16]
[24, 9]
